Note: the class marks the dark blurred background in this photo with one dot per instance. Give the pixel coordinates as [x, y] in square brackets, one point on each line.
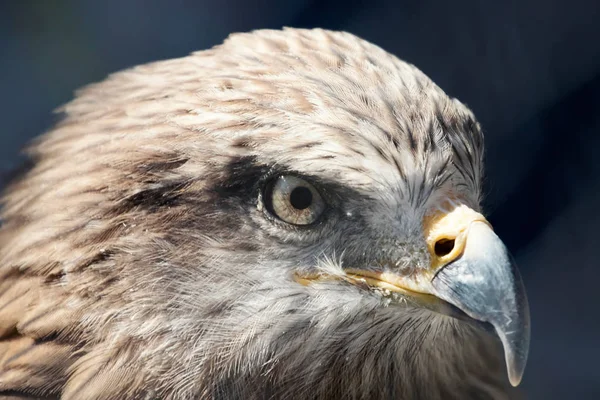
[529, 69]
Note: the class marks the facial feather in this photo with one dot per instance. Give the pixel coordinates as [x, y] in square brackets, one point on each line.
[142, 231]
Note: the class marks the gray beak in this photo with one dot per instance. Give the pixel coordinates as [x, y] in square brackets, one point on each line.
[485, 284]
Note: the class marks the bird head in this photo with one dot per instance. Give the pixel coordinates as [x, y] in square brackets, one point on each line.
[290, 213]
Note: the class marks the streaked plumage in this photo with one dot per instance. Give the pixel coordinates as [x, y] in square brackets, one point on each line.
[138, 259]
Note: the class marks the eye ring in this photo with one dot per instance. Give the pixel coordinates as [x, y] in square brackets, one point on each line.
[294, 200]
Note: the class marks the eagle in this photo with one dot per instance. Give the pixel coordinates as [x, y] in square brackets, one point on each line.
[292, 214]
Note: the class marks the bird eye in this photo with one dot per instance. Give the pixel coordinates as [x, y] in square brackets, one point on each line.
[294, 200]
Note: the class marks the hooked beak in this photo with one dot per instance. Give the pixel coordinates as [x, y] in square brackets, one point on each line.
[472, 270]
[479, 276]
[484, 283]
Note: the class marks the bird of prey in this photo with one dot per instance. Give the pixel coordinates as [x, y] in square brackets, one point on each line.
[293, 214]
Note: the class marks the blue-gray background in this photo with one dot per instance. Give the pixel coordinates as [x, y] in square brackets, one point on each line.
[529, 69]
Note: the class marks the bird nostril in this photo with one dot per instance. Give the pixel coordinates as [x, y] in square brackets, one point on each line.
[443, 247]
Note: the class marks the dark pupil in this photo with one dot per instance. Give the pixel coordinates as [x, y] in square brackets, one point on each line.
[301, 198]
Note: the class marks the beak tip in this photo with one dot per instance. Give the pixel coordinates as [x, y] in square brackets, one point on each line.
[516, 359]
[515, 341]
[515, 366]
[515, 379]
